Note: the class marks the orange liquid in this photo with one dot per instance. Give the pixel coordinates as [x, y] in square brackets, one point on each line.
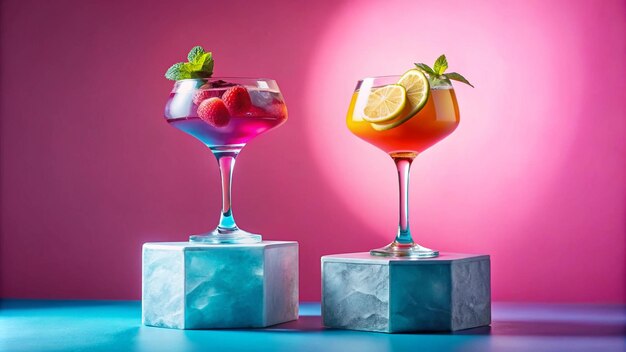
[437, 119]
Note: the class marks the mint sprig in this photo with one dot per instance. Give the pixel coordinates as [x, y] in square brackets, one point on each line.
[457, 77]
[199, 65]
[194, 53]
[441, 65]
[426, 69]
[436, 73]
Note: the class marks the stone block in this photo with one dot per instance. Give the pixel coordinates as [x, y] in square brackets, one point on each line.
[204, 286]
[447, 293]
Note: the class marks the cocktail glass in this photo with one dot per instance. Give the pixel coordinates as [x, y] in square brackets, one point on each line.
[437, 119]
[226, 137]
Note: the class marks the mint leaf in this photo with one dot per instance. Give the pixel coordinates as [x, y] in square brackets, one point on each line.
[426, 68]
[203, 63]
[194, 53]
[207, 66]
[200, 65]
[457, 77]
[196, 64]
[437, 75]
[177, 72]
[441, 65]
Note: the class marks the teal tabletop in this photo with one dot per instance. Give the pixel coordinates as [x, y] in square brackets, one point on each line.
[39, 325]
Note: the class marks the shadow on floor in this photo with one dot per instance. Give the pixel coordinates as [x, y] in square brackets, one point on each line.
[498, 328]
[542, 328]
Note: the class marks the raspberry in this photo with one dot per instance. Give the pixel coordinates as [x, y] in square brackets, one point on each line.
[237, 100]
[214, 112]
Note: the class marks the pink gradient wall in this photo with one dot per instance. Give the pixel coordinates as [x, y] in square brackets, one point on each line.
[534, 175]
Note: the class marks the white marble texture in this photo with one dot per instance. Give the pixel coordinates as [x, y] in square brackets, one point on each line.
[199, 286]
[447, 293]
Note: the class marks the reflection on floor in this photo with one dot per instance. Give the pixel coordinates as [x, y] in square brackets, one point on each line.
[36, 325]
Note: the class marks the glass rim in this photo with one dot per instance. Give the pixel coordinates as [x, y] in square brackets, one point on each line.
[371, 80]
[377, 77]
[226, 78]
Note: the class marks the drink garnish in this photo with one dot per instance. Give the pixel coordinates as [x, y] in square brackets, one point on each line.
[385, 103]
[214, 112]
[417, 87]
[417, 91]
[437, 75]
[199, 65]
[237, 100]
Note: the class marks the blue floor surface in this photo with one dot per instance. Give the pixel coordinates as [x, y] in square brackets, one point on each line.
[36, 325]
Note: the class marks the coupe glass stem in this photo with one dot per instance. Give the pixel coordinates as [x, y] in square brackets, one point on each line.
[403, 164]
[403, 245]
[227, 231]
[226, 161]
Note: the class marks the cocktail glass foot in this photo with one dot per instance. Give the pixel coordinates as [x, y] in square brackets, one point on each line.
[396, 249]
[222, 236]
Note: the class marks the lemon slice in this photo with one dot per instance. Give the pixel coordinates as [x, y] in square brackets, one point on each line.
[385, 103]
[417, 89]
[417, 92]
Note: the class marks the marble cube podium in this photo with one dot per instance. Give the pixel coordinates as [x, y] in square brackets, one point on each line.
[384, 294]
[202, 286]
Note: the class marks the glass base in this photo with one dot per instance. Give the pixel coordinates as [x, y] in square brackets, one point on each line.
[412, 250]
[219, 236]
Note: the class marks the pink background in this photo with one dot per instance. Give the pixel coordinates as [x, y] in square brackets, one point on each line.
[534, 175]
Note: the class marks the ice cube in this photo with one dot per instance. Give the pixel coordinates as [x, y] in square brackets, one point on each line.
[260, 97]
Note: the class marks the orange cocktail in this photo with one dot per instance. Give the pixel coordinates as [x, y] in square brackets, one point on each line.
[403, 116]
[437, 119]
